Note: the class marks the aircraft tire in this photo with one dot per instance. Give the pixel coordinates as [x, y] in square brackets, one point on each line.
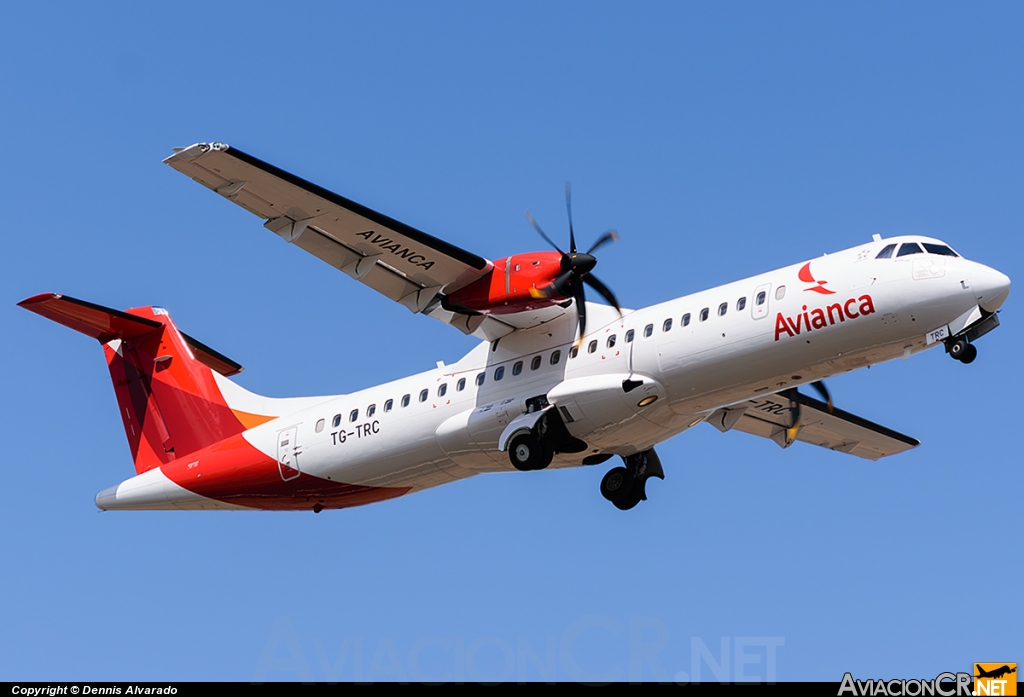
[635, 496]
[527, 452]
[969, 354]
[617, 485]
[958, 348]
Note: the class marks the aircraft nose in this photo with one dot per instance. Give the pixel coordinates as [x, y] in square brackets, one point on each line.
[991, 287]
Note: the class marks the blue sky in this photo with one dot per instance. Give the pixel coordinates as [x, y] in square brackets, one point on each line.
[720, 140]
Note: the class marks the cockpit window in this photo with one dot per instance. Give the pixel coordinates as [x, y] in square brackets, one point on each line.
[909, 248]
[886, 253]
[940, 249]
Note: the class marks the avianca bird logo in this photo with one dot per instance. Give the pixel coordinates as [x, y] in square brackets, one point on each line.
[806, 277]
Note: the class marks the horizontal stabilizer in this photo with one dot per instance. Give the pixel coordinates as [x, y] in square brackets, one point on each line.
[105, 324]
[101, 323]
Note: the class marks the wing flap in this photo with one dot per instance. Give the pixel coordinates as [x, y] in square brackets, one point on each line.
[769, 417]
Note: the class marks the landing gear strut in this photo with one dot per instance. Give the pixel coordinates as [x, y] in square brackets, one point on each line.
[962, 351]
[626, 486]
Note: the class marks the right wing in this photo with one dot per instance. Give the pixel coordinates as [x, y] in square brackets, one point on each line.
[402, 263]
[769, 417]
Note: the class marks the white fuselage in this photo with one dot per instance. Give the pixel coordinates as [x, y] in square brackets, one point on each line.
[888, 306]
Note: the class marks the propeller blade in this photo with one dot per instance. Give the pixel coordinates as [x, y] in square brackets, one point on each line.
[794, 415]
[547, 239]
[603, 290]
[581, 309]
[568, 209]
[823, 391]
[610, 236]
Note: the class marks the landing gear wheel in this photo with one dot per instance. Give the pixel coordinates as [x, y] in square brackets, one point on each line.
[969, 354]
[959, 348]
[617, 485]
[527, 453]
[635, 496]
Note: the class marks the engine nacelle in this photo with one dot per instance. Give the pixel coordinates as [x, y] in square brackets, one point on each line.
[602, 404]
[511, 286]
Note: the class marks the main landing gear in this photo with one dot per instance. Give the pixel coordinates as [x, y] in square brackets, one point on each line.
[626, 486]
[528, 452]
[962, 351]
[535, 449]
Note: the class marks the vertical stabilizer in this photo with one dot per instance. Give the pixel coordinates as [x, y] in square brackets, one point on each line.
[169, 399]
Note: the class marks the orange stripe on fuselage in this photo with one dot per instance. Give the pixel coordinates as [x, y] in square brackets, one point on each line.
[251, 420]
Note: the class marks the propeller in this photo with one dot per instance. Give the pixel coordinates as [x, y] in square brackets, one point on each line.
[576, 268]
[794, 407]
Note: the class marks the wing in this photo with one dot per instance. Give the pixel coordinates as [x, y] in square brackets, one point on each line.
[769, 417]
[400, 262]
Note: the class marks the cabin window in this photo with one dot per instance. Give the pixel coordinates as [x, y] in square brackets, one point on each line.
[686, 319]
[574, 351]
[741, 303]
[611, 341]
[780, 292]
[761, 297]
[908, 248]
[460, 385]
[371, 410]
[480, 379]
[629, 336]
[555, 357]
[886, 253]
[388, 404]
[722, 309]
[353, 415]
[666, 325]
[423, 395]
[442, 389]
[592, 346]
[704, 314]
[648, 330]
[320, 425]
[939, 249]
[517, 368]
[405, 400]
[336, 421]
[535, 363]
[499, 372]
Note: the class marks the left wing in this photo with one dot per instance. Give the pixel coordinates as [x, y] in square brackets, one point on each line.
[402, 263]
[769, 417]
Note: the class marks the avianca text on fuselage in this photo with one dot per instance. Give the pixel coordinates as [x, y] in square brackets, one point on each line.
[819, 318]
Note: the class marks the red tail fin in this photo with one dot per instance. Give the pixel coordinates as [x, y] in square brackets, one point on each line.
[169, 400]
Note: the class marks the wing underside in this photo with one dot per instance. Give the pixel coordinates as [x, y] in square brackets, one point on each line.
[400, 262]
[769, 417]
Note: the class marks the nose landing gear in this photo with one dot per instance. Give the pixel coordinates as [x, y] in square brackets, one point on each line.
[626, 486]
[962, 351]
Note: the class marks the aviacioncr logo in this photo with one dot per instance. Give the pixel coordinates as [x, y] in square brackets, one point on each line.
[806, 276]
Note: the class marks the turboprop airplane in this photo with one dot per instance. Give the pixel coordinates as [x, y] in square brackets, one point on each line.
[555, 382]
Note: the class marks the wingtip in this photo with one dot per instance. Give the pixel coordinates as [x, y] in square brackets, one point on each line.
[35, 299]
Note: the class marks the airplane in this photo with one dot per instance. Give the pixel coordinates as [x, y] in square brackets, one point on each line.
[556, 380]
[995, 673]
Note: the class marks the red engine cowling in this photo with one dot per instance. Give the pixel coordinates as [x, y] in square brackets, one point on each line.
[512, 285]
